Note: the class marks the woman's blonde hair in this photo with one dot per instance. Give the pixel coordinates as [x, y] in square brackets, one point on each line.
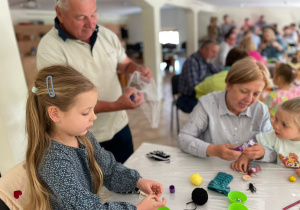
[293, 107]
[67, 84]
[248, 70]
[247, 44]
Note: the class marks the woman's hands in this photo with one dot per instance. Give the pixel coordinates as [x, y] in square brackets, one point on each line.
[223, 151]
[154, 189]
[257, 151]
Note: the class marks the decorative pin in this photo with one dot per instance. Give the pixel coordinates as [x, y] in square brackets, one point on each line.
[51, 81]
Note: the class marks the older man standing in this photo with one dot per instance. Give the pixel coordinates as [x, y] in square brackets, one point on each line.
[195, 69]
[96, 52]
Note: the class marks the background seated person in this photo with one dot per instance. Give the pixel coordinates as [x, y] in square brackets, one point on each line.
[270, 46]
[225, 46]
[223, 120]
[216, 82]
[288, 37]
[284, 77]
[248, 45]
[195, 69]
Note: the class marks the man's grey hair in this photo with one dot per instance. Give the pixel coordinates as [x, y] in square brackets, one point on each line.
[63, 4]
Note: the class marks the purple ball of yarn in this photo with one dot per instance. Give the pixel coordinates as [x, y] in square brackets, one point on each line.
[199, 196]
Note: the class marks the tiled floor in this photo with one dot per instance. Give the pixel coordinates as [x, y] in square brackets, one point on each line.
[141, 128]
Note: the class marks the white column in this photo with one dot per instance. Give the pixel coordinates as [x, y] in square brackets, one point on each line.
[152, 55]
[13, 91]
[192, 31]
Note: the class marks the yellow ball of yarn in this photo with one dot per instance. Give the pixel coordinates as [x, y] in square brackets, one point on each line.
[196, 179]
[292, 179]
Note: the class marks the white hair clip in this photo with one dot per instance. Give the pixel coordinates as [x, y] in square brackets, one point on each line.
[34, 90]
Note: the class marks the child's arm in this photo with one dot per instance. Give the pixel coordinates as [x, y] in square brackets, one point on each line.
[241, 164]
[297, 171]
[150, 187]
[148, 203]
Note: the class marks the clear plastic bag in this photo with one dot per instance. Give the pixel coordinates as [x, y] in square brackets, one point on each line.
[151, 106]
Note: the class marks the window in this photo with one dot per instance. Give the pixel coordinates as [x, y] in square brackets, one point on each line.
[171, 37]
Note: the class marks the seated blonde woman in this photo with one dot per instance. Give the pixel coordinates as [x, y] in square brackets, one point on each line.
[248, 45]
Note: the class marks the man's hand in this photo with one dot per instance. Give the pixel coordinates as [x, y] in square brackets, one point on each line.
[125, 102]
[145, 71]
[223, 151]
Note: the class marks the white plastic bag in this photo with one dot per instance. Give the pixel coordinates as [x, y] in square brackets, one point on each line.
[151, 106]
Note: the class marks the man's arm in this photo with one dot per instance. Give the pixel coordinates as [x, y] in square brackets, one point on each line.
[128, 66]
[124, 102]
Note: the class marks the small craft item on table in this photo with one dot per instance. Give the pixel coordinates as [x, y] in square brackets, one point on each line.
[172, 189]
[199, 197]
[292, 178]
[220, 183]
[252, 169]
[252, 188]
[291, 205]
[159, 156]
[196, 179]
[249, 143]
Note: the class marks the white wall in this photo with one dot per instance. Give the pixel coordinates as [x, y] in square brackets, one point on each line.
[176, 19]
[13, 91]
[173, 19]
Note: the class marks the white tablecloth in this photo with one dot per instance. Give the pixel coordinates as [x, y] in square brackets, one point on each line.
[274, 190]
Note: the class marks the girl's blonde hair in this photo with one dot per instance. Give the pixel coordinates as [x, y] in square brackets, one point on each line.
[247, 44]
[286, 72]
[292, 106]
[67, 84]
[248, 70]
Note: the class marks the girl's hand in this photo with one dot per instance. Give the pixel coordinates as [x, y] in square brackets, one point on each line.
[241, 164]
[150, 187]
[149, 204]
[297, 171]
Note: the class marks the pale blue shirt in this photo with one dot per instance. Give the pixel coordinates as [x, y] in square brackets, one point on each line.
[212, 123]
[287, 151]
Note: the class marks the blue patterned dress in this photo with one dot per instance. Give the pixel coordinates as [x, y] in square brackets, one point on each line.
[66, 172]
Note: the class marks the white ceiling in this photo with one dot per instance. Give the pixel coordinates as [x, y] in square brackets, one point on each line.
[125, 7]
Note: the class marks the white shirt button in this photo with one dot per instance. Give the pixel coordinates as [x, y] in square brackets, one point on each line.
[235, 128]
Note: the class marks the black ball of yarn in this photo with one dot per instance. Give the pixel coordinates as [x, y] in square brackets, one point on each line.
[199, 196]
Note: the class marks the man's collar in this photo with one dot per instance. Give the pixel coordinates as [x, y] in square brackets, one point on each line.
[62, 34]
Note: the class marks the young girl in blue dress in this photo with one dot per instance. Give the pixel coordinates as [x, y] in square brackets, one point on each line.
[64, 163]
